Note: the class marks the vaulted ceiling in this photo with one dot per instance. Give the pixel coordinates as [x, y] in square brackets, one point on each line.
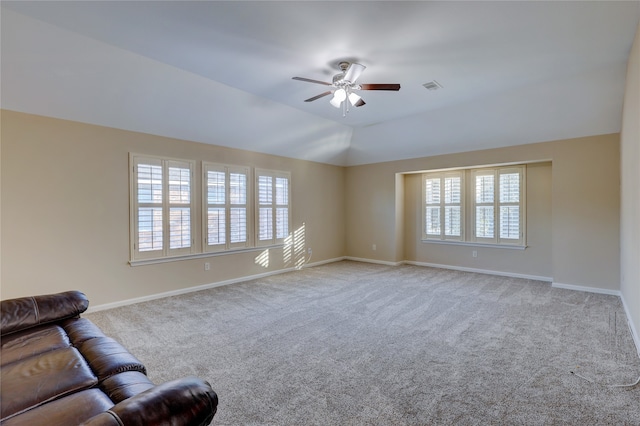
[220, 72]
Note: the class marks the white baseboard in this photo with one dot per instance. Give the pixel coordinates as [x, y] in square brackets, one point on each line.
[323, 262]
[480, 271]
[201, 287]
[587, 289]
[184, 291]
[379, 262]
[632, 327]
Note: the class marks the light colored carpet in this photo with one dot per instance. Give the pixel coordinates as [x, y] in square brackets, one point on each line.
[351, 343]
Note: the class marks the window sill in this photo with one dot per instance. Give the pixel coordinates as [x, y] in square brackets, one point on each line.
[472, 244]
[156, 260]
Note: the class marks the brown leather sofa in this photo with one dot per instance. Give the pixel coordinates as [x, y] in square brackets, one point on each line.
[60, 369]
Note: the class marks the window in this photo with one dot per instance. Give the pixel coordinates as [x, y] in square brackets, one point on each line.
[273, 206]
[443, 206]
[226, 208]
[162, 213]
[233, 212]
[496, 205]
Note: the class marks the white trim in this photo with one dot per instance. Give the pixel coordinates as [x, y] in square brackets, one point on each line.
[587, 289]
[480, 271]
[156, 260]
[184, 290]
[323, 262]
[202, 287]
[227, 170]
[274, 174]
[165, 205]
[379, 262]
[472, 244]
[632, 327]
[480, 166]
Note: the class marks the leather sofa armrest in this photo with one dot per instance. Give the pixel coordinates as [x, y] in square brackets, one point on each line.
[188, 401]
[25, 312]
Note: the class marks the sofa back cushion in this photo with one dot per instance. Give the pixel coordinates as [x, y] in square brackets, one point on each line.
[25, 312]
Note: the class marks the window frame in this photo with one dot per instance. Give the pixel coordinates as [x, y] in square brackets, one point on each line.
[156, 182]
[165, 204]
[470, 204]
[442, 205]
[273, 206]
[497, 203]
[228, 245]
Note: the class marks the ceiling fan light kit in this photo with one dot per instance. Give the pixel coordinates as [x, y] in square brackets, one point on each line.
[344, 83]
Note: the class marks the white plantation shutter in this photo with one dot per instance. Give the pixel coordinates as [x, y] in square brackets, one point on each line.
[282, 207]
[162, 210]
[238, 225]
[432, 208]
[498, 203]
[265, 214]
[510, 222]
[443, 206]
[509, 187]
[265, 224]
[179, 206]
[282, 222]
[273, 206]
[148, 180]
[226, 189]
[216, 226]
[149, 229]
[484, 205]
[510, 201]
[453, 206]
[485, 222]
[216, 202]
[238, 188]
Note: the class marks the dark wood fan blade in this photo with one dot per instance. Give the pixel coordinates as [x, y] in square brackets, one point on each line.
[321, 95]
[395, 87]
[360, 103]
[308, 80]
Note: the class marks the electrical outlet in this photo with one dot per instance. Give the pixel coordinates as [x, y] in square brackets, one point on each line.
[475, 253]
[207, 266]
[374, 247]
[309, 251]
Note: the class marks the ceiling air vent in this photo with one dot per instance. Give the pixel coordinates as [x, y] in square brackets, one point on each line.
[432, 85]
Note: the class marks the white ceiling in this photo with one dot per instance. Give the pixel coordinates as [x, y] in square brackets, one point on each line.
[220, 72]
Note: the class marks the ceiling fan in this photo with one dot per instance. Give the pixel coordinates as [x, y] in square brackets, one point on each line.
[344, 83]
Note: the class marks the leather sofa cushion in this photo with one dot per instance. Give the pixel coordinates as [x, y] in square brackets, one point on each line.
[80, 330]
[70, 410]
[19, 314]
[36, 380]
[108, 357]
[32, 342]
[125, 385]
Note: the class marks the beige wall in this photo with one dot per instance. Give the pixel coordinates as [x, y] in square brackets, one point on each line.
[65, 211]
[65, 214]
[573, 231]
[372, 212]
[630, 176]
